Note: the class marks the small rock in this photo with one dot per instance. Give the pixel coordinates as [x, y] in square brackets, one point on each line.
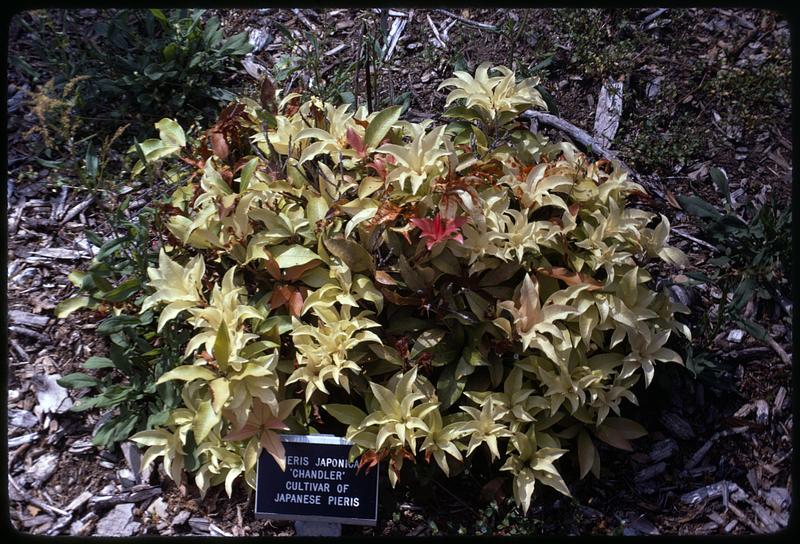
[736, 336]
[259, 38]
[22, 418]
[118, 522]
[653, 87]
[762, 412]
[158, 508]
[676, 425]
[126, 478]
[730, 526]
[52, 398]
[133, 456]
[44, 467]
[107, 464]
[182, 517]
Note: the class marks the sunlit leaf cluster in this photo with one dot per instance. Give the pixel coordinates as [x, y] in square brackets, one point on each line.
[441, 290]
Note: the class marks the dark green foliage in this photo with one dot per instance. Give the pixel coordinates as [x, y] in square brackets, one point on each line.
[753, 261]
[124, 382]
[141, 64]
[158, 61]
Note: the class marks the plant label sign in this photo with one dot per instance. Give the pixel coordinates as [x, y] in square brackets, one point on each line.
[319, 483]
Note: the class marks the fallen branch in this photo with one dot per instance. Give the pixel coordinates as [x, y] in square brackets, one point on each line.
[470, 22]
[776, 347]
[653, 16]
[583, 138]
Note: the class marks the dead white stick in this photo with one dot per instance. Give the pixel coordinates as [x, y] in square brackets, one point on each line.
[608, 113]
[335, 50]
[76, 209]
[653, 16]
[398, 25]
[785, 357]
[693, 239]
[470, 22]
[304, 19]
[583, 138]
[437, 41]
[578, 134]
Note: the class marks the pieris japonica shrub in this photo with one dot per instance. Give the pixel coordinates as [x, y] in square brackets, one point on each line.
[438, 289]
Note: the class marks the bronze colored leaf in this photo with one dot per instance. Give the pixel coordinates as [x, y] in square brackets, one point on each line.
[571, 278]
[293, 273]
[352, 254]
[400, 300]
[387, 213]
[381, 276]
[296, 303]
[219, 145]
[272, 266]
[280, 296]
[267, 96]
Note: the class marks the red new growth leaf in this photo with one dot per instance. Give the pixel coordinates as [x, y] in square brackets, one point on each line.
[439, 230]
[356, 142]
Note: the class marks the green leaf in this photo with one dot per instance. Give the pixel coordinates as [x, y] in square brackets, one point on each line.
[116, 323]
[191, 460]
[98, 362]
[380, 125]
[115, 430]
[188, 373]
[84, 403]
[698, 207]
[351, 253]
[121, 292]
[77, 380]
[222, 345]
[346, 413]
[448, 388]
[171, 133]
[247, 174]
[66, 307]
[289, 256]
[159, 14]
[204, 420]
[552, 106]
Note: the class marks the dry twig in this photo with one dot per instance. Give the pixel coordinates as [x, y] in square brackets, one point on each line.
[469, 22]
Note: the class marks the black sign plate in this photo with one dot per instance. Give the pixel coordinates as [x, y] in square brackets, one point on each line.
[319, 484]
